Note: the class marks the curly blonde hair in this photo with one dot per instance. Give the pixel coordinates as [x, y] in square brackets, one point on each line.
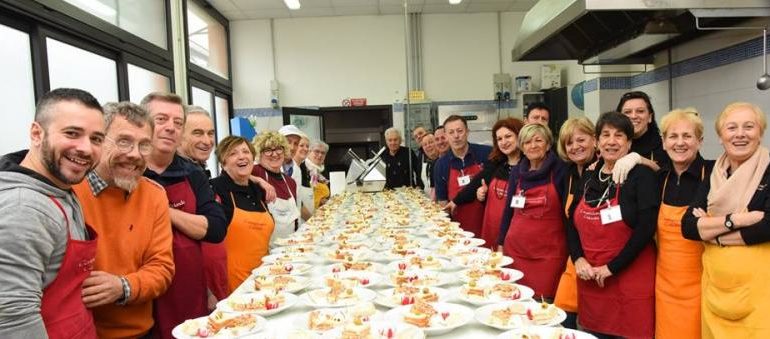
[270, 139]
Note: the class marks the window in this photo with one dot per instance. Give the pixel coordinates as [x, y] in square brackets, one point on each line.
[223, 117]
[207, 39]
[69, 66]
[203, 98]
[142, 82]
[16, 90]
[143, 18]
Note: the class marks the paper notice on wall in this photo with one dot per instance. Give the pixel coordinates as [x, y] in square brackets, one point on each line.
[337, 182]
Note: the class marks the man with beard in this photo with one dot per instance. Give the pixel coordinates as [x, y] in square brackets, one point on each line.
[134, 263]
[46, 251]
[198, 137]
[195, 216]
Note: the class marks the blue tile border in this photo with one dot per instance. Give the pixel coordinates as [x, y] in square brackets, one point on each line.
[725, 56]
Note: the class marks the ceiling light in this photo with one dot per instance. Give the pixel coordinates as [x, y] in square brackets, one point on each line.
[292, 4]
[455, 2]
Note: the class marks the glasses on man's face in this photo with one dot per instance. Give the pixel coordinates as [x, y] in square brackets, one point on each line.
[126, 145]
[319, 152]
[272, 151]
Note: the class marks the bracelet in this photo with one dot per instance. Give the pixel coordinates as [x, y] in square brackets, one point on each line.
[126, 292]
[719, 242]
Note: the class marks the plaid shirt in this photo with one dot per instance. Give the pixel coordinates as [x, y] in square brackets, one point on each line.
[96, 183]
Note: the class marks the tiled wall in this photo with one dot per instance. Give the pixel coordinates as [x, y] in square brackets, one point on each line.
[736, 53]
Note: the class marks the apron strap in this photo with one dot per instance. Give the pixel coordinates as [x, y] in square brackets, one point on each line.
[61, 208]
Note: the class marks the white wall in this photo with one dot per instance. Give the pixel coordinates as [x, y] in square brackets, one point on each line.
[252, 62]
[320, 61]
[460, 55]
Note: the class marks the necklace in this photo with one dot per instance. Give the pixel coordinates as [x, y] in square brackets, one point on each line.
[600, 175]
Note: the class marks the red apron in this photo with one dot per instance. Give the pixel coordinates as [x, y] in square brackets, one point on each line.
[186, 296]
[537, 241]
[469, 215]
[62, 308]
[626, 305]
[493, 212]
[215, 268]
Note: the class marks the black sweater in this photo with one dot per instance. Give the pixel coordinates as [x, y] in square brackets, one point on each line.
[760, 201]
[639, 203]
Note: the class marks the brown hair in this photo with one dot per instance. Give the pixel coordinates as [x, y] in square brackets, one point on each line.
[228, 143]
[512, 124]
[165, 97]
[455, 117]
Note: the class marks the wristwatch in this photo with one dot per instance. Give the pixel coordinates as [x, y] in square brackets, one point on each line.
[729, 222]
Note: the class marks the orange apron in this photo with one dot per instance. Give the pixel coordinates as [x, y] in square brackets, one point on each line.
[247, 241]
[678, 275]
[735, 299]
[566, 294]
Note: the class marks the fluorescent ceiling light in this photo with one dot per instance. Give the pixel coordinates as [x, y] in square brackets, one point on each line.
[455, 2]
[293, 4]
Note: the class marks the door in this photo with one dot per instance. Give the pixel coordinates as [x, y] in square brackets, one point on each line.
[307, 120]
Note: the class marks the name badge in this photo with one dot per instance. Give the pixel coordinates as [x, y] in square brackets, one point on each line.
[464, 180]
[610, 214]
[517, 201]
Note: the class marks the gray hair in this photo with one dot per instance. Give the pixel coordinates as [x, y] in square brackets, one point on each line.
[393, 131]
[132, 112]
[192, 109]
[319, 144]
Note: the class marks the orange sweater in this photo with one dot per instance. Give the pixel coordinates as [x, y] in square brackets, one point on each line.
[134, 240]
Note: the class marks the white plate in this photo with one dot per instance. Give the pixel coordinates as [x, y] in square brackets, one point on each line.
[379, 329]
[406, 264]
[297, 285]
[317, 298]
[465, 242]
[295, 240]
[480, 260]
[356, 255]
[296, 269]
[298, 249]
[226, 304]
[341, 316]
[361, 278]
[458, 315]
[340, 267]
[388, 299]
[437, 278]
[525, 293]
[484, 315]
[289, 257]
[391, 256]
[511, 274]
[460, 251]
[200, 324]
[545, 332]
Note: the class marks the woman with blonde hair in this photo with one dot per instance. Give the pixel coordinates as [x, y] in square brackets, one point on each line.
[532, 227]
[678, 270]
[271, 147]
[730, 214]
[577, 147]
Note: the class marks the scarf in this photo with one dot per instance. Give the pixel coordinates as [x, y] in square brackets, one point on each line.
[315, 172]
[539, 176]
[733, 194]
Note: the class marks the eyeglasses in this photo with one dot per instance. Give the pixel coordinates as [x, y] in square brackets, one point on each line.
[318, 151]
[126, 146]
[272, 151]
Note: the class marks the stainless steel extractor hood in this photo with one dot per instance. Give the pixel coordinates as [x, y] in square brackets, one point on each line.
[619, 31]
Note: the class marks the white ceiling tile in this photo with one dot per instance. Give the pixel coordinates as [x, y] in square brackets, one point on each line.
[356, 10]
[391, 10]
[223, 5]
[433, 9]
[267, 14]
[400, 2]
[312, 12]
[235, 15]
[356, 3]
[522, 5]
[251, 5]
[315, 3]
[487, 7]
